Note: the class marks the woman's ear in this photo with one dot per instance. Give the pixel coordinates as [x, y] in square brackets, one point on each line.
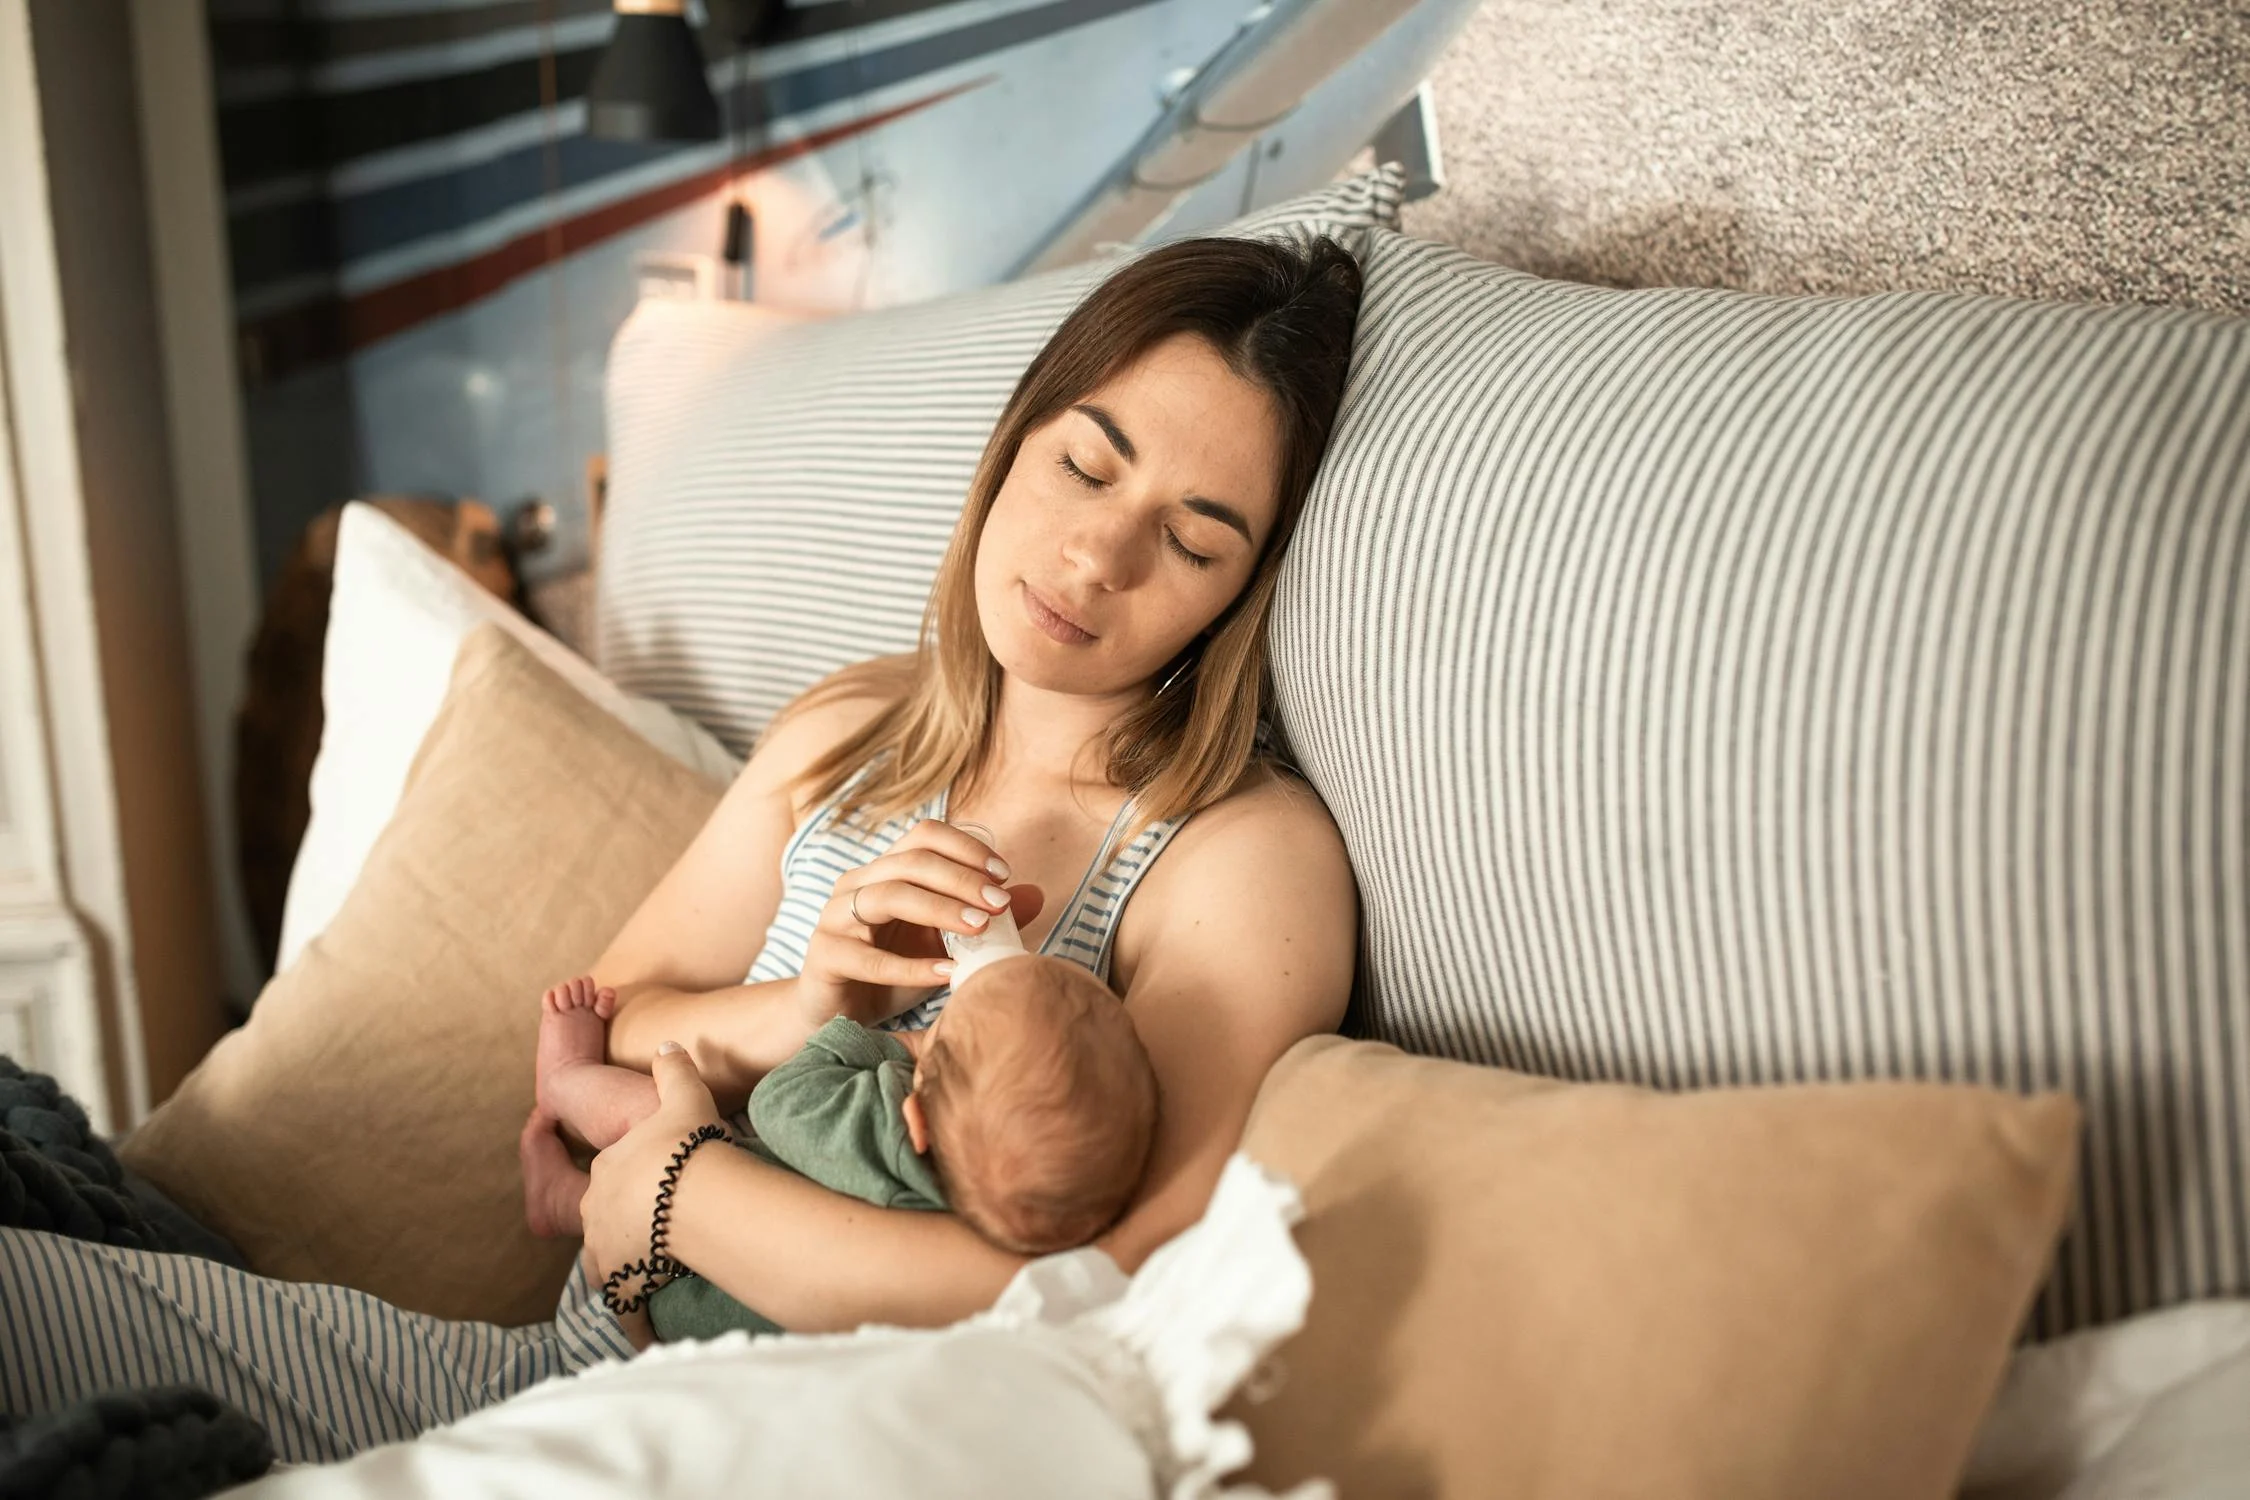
[917, 1124]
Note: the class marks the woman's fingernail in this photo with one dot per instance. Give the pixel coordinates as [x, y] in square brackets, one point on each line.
[994, 896]
[973, 917]
[998, 867]
[942, 967]
[667, 1046]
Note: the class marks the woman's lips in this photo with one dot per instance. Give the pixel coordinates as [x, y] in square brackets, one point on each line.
[1052, 620]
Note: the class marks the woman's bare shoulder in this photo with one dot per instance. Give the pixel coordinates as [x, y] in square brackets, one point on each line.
[1257, 884]
[1271, 802]
[1272, 825]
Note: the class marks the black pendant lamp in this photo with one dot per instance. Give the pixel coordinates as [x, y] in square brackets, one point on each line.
[650, 84]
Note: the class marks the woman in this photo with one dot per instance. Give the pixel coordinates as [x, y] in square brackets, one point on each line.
[1093, 662]
[1089, 687]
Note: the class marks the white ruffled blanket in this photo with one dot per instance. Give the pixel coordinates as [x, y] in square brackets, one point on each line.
[2156, 1408]
[1082, 1383]
[1078, 1383]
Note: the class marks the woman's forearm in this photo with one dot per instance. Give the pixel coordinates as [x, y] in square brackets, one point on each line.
[736, 1035]
[815, 1261]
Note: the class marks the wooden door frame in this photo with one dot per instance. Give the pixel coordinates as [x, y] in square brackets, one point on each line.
[79, 1013]
[203, 402]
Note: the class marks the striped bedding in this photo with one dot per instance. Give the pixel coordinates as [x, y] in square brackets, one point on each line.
[1711, 688]
[325, 1370]
[1722, 689]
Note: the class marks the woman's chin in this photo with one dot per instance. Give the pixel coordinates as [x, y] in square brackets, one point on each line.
[1059, 669]
[1048, 676]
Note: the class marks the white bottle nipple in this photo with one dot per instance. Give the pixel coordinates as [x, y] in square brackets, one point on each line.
[972, 951]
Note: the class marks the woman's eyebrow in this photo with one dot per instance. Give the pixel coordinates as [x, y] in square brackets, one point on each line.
[1110, 429]
[1224, 514]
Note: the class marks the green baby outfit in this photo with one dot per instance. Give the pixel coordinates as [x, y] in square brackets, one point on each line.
[834, 1113]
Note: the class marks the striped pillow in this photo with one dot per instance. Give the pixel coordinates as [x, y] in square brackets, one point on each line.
[1716, 688]
[779, 500]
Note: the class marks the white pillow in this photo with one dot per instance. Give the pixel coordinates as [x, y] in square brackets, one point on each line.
[395, 620]
[1078, 1385]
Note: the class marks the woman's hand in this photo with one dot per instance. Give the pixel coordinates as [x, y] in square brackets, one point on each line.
[619, 1206]
[877, 946]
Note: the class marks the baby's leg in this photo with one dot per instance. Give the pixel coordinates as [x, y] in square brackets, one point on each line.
[597, 1100]
[552, 1182]
[577, 1089]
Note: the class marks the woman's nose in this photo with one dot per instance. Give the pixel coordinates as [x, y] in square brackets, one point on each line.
[1105, 551]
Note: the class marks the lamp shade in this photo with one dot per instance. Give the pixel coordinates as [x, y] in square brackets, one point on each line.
[649, 84]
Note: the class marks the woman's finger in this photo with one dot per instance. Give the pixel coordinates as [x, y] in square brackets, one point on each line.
[967, 885]
[962, 848]
[883, 901]
[868, 964]
[678, 1082]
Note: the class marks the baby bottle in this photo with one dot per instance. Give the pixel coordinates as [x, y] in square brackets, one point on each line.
[972, 951]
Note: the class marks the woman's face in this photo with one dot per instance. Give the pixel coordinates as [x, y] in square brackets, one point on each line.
[1129, 523]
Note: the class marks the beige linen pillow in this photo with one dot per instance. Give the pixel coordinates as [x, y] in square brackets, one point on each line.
[1527, 1288]
[361, 1127]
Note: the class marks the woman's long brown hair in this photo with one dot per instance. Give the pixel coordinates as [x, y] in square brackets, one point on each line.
[1281, 314]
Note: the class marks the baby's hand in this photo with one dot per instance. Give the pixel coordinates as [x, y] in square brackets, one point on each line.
[581, 994]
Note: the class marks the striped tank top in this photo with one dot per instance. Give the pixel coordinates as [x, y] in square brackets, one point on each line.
[825, 846]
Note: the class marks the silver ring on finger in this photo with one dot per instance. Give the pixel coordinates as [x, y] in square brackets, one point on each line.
[852, 905]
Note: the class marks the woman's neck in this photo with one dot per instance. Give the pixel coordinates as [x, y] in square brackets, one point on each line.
[1052, 738]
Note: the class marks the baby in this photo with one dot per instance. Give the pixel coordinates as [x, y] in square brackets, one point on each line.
[1028, 1108]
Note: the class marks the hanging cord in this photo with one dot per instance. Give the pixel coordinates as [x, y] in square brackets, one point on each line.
[868, 235]
[737, 250]
[558, 303]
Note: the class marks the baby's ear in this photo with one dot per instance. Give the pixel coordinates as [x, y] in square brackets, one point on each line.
[917, 1124]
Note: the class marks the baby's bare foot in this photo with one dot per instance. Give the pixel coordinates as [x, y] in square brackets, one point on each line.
[552, 1184]
[573, 1032]
[581, 994]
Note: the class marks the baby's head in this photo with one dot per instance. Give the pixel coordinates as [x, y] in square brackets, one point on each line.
[1036, 1103]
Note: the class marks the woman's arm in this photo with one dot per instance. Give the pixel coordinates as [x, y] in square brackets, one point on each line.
[1245, 948]
[812, 1260]
[816, 1261]
[737, 1033]
[1238, 945]
[678, 962]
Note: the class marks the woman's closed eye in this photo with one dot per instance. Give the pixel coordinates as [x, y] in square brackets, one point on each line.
[1079, 474]
[1193, 559]
[1171, 537]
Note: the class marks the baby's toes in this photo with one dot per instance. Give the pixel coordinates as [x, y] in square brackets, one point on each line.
[605, 1002]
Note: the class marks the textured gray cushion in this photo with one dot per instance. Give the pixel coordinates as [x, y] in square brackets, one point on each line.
[779, 500]
[1715, 688]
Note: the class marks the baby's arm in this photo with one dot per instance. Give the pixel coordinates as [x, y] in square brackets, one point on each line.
[825, 1113]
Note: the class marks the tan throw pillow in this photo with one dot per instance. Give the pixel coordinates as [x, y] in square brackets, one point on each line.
[361, 1127]
[1527, 1288]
